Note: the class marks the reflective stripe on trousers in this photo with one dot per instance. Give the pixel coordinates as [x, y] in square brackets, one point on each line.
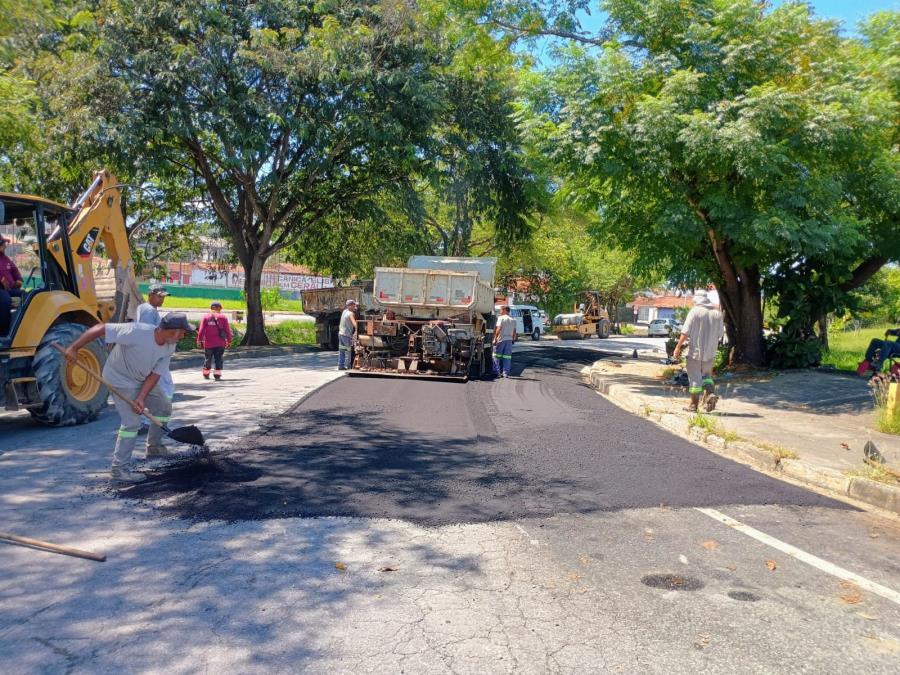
[503, 356]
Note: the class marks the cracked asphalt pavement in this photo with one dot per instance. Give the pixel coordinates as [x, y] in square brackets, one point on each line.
[380, 526]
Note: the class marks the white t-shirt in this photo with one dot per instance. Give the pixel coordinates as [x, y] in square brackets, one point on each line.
[705, 327]
[346, 326]
[135, 354]
[507, 326]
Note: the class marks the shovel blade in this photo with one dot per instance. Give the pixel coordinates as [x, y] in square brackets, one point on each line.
[190, 435]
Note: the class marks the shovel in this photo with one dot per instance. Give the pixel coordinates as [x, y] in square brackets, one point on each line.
[189, 435]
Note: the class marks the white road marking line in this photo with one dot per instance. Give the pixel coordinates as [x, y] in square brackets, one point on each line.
[534, 542]
[803, 556]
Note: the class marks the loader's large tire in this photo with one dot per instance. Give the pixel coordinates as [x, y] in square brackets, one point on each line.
[68, 394]
[603, 329]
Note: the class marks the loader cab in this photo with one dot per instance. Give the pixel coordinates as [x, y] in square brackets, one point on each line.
[32, 227]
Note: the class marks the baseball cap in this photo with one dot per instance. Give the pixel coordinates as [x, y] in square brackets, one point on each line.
[176, 320]
[157, 289]
[701, 298]
[215, 303]
[351, 301]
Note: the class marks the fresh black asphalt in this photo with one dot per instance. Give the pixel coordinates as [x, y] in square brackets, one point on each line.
[535, 445]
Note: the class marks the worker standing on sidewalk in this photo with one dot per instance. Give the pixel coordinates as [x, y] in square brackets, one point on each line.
[702, 330]
[138, 360]
[214, 336]
[346, 328]
[504, 336]
[148, 313]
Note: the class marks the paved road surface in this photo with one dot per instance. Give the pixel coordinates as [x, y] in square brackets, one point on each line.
[534, 529]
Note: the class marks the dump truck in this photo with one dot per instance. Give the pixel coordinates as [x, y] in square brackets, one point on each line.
[433, 320]
[326, 304]
[67, 289]
[588, 318]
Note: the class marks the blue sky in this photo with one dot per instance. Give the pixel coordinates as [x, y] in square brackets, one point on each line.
[850, 12]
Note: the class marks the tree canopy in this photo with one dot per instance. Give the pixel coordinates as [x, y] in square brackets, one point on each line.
[728, 141]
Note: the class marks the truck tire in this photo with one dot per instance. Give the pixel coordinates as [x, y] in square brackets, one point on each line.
[536, 334]
[603, 329]
[68, 394]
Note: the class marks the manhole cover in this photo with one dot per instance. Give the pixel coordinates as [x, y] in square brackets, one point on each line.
[743, 596]
[672, 582]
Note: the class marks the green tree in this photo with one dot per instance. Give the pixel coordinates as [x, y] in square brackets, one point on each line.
[722, 140]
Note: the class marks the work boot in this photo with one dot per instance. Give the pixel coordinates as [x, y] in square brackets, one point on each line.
[695, 403]
[158, 451]
[124, 475]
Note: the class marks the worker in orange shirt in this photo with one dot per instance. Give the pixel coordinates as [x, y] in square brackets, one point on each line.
[214, 336]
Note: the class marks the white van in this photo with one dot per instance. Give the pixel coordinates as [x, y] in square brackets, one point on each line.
[528, 318]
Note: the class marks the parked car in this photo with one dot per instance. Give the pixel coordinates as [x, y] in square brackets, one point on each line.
[663, 328]
[528, 320]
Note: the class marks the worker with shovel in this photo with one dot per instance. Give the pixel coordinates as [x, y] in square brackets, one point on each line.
[139, 358]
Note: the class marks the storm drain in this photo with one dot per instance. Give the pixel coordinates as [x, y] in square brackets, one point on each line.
[743, 596]
[672, 582]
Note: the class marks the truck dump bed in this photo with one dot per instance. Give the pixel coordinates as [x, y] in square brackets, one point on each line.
[433, 293]
[328, 300]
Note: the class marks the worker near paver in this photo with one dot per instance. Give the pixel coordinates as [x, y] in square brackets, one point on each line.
[10, 287]
[702, 330]
[214, 336]
[346, 328]
[139, 358]
[148, 313]
[504, 336]
[879, 351]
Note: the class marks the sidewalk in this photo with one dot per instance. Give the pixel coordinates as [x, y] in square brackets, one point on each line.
[811, 425]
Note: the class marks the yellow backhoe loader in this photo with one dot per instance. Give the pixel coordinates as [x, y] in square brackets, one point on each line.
[77, 271]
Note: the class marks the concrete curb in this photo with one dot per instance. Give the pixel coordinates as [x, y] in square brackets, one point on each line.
[194, 358]
[864, 490]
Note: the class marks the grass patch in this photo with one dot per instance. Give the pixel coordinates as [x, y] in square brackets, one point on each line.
[710, 425]
[778, 451]
[292, 333]
[847, 348]
[878, 473]
[626, 329]
[282, 305]
[284, 333]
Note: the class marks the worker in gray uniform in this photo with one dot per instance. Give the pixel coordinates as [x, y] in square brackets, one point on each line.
[148, 313]
[139, 358]
[703, 329]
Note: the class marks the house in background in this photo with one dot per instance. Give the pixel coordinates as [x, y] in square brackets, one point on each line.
[662, 304]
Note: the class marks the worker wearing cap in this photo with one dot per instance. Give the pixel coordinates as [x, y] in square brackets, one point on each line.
[345, 335]
[10, 287]
[148, 313]
[703, 329]
[139, 358]
[214, 336]
[504, 336]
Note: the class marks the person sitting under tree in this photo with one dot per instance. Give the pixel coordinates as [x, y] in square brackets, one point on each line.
[880, 351]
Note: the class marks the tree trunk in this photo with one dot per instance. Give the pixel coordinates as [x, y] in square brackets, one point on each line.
[742, 302]
[823, 330]
[256, 332]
